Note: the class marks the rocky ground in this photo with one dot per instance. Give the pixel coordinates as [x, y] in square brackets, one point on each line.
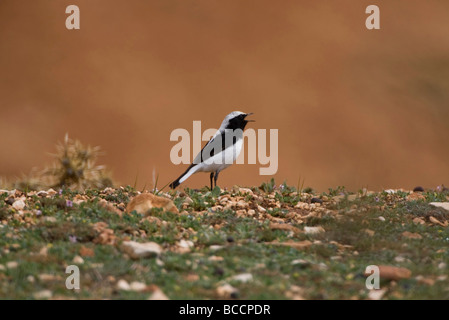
[267, 242]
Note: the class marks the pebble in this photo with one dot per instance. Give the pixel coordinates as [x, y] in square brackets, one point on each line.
[313, 230]
[44, 294]
[137, 286]
[19, 204]
[215, 247]
[78, 260]
[123, 285]
[227, 291]
[158, 294]
[141, 250]
[245, 191]
[215, 258]
[243, 277]
[444, 205]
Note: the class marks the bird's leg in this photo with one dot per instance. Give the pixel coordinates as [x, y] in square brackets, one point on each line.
[216, 177]
[211, 177]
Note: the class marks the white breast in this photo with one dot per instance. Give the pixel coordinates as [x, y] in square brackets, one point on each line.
[223, 159]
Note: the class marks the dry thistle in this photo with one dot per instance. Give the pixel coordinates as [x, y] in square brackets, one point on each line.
[76, 167]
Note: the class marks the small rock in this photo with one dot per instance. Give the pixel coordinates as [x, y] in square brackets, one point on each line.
[246, 191]
[240, 213]
[301, 263]
[78, 260]
[261, 209]
[137, 286]
[393, 273]
[226, 291]
[19, 204]
[436, 221]
[12, 264]
[444, 205]
[2, 267]
[251, 212]
[242, 204]
[123, 285]
[42, 194]
[142, 203]
[442, 266]
[215, 247]
[284, 227]
[215, 258]
[352, 197]
[51, 192]
[313, 230]
[110, 207]
[185, 246]
[418, 189]
[415, 197]
[295, 293]
[316, 200]
[381, 218]
[86, 252]
[230, 239]
[158, 295]
[376, 294]
[410, 235]
[45, 277]
[418, 221]
[293, 244]
[369, 232]
[243, 277]
[44, 294]
[188, 201]
[141, 250]
[423, 280]
[191, 277]
[50, 219]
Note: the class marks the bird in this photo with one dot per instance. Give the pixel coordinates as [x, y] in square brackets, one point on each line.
[221, 151]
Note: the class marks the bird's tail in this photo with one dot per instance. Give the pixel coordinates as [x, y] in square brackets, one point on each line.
[175, 183]
[183, 177]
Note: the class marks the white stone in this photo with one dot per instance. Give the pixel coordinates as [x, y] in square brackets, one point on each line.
[158, 295]
[123, 285]
[141, 250]
[243, 277]
[137, 286]
[313, 230]
[226, 290]
[18, 204]
[44, 294]
[444, 205]
[78, 260]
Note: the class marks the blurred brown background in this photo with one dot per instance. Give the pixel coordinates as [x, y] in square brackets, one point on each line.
[353, 107]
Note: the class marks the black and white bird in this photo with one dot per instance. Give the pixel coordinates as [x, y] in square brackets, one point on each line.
[221, 151]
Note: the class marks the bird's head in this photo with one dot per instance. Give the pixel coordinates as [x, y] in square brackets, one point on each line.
[236, 120]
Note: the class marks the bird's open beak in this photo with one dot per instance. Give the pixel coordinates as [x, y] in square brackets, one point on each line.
[248, 114]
